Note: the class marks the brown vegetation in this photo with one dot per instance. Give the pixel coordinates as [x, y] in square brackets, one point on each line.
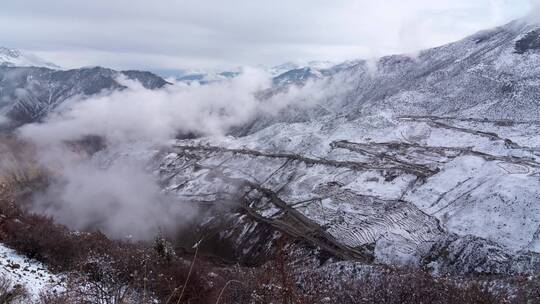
[111, 269]
[125, 272]
[11, 294]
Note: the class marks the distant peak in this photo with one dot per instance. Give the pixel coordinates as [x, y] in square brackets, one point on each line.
[13, 57]
[10, 52]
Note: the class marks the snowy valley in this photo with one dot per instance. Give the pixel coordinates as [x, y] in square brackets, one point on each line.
[428, 162]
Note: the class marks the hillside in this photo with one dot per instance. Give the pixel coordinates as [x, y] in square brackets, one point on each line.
[432, 160]
[370, 169]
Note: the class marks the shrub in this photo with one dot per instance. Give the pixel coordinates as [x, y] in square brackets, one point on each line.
[414, 286]
[10, 294]
[110, 268]
[49, 297]
[38, 237]
[125, 272]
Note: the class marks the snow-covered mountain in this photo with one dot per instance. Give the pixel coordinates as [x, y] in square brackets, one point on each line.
[432, 161]
[205, 76]
[12, 57]
[30, 87]
[295, 65]
[28, 94]
[287, 73]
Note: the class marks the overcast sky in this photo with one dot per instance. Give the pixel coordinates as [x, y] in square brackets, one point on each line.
[175, 34]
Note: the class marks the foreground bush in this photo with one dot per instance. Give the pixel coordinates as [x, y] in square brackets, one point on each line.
[110, 268]
[106, 271]
[414, 287]
[278, 282]
[12, 294]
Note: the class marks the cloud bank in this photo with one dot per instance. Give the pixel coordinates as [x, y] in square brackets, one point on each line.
[192, 34]
[138, 114]
[117, 192]
[122, 200]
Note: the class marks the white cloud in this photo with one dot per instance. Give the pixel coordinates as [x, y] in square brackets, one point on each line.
[115, 193]
[120, 197]
[139, 114]
[189, 33]
[120, 200]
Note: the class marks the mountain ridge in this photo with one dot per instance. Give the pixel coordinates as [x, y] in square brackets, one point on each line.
[30, 93]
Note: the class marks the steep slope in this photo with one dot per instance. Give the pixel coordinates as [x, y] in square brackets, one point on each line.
[432, 160]
[31, 274]
[492, 74]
